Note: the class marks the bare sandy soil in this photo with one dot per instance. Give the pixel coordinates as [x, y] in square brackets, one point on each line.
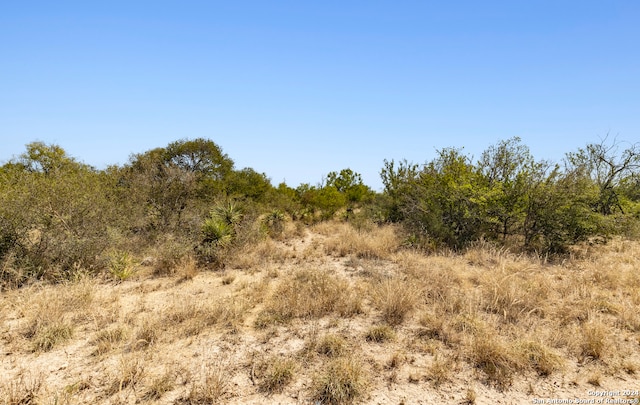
[334, 315]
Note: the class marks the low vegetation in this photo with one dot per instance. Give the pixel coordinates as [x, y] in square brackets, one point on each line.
[177, 278]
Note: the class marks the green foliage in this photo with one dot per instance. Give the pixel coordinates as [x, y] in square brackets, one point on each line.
[343, 190]
[219, 231]
[121, 265]
[445, 201]
[165, 185]
[348, 183]
[398, 181]
[248, 184]
[274, 222]
[509, 197]
[54, 213]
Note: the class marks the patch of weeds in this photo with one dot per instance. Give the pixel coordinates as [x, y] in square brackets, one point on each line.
[275, 373]
[341, 381]
[439, 371]
[396, 299]
[331, 345]
[50, 335]
[380, 334]
[212, 389]
[23, 390]
[107, 339]
[159, 386]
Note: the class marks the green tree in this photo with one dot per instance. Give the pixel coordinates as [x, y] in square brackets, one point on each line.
[350, 184]
[54, 214]
[248, 184]
[507, 169]
[606, 165]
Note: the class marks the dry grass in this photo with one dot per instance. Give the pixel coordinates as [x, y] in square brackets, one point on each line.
[331, 345]
[496, 358]
[341, 381]
[108, 339]
[310, 293]
[274, 373]
[380, 334]
[341, 318]
[23, 390]
[212, 387]
[160, 385]
[440, 371]
[396, 299]
[343, 240]
[127, 376]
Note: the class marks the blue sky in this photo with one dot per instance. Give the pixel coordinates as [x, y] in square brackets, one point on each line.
[296, 89]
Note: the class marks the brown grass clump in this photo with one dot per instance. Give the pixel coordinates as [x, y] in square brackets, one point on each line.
[310, 293]
[540, 357]
[343, 240]
[594, 340]
[396, 299]
[22, 390]
[211, 389]
[380, 334]
[274, 373]
[440, 370]
[52, 313]
[108, 339]
[128, 375]
[495, 358]
[341, 381]
[331, 345]
[187, 268]
[160, 385]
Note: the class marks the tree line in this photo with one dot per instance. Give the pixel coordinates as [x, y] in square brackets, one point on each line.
[59, 216]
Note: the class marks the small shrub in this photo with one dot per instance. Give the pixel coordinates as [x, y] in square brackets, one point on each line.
[274, 223]
[170, 254]
[187, 268]
[121, 265]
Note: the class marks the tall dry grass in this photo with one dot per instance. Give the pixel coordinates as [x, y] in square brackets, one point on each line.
[343, 240]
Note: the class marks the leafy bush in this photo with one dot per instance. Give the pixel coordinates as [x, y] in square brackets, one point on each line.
[509, 197]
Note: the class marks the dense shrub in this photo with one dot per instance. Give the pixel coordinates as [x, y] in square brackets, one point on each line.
[509, 197]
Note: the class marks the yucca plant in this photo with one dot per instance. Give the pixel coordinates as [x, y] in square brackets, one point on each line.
[219, 231]
[274, 222]
[121, 265]
[219, 227]
[230, 213]
[216, 232]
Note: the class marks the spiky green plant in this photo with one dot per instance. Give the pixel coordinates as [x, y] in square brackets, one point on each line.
[274, 222]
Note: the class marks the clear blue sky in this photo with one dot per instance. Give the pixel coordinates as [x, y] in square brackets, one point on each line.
[296, 89]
